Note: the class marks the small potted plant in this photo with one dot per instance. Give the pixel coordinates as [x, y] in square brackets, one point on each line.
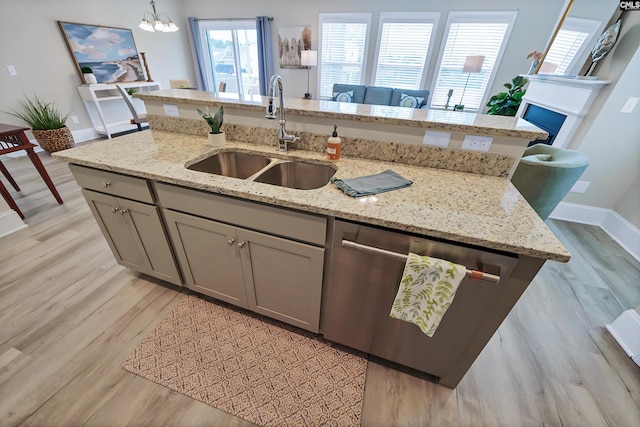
[89, 77]
[216, 136]
[47, 123]
[507, 103]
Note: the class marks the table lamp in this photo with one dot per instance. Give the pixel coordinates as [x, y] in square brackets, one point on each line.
[308, 58]
[472, 64]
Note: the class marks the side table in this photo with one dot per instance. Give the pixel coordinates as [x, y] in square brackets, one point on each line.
[13, 138]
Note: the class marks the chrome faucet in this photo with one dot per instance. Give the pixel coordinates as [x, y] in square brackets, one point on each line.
[275, 88]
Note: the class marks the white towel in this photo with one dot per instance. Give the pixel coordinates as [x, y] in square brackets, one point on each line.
[426, 291]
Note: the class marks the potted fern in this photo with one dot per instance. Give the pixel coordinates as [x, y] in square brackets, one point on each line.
[216, 136]
[47, 123]
[507, 103]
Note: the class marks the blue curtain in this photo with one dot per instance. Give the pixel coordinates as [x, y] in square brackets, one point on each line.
[198, 55]
[265, 52]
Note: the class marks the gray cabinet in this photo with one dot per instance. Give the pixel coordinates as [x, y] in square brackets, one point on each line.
[209, 256]
[133, 230]
[274, 275]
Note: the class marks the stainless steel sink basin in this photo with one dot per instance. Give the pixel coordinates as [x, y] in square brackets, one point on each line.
[232, 163]
[300, 175]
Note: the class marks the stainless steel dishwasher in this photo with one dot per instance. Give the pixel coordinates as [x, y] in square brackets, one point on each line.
[363, 282]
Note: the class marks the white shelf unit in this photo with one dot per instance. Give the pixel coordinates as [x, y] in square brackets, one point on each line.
[107, 110]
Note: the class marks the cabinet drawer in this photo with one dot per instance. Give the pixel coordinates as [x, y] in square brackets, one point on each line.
[112, 183]
[278, 221]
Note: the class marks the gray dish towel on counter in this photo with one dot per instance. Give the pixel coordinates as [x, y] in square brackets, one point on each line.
[372, 184]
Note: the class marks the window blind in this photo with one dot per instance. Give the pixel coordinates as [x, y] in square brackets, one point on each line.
[402, 54]
[466, 35]
[342, 53]
[569, 44]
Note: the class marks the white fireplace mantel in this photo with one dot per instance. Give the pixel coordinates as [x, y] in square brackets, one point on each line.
[571, 96]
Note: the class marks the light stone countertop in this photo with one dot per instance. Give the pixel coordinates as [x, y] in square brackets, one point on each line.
[449, 121]
[467, 208]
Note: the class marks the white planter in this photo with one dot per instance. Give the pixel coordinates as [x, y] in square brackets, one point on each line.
[90, 78]
[217, 139]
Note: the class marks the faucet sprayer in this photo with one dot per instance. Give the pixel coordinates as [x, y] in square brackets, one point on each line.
[276, 89]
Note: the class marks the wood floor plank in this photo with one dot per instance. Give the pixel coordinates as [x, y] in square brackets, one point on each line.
[69, 316]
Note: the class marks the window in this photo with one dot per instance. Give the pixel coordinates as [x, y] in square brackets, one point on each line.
[569, 45]
[404, 44]
[343, 47]
[470, 34]
[231, 55]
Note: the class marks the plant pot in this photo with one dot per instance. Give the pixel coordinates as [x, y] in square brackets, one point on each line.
[52, 140]
[90, 78]
[217, 139]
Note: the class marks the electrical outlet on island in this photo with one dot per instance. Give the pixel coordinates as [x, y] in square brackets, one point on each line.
[477, 142]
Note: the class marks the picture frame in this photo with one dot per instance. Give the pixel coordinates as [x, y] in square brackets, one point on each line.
[110, 52]
[292, 41]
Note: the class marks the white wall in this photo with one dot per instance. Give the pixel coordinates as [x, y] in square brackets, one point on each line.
[612, 143]
[31, 41]
[611, 139]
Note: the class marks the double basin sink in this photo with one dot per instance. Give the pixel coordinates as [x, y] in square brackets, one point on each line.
[268, 170]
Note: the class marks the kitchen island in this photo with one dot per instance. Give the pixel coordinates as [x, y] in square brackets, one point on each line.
[477, 219]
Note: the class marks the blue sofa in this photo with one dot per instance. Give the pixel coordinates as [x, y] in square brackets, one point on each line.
[378, 95]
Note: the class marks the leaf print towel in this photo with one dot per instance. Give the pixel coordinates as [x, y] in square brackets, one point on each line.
[426, 291]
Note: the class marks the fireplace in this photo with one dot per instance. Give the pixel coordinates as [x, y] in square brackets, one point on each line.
[558, 104]
[545, 119]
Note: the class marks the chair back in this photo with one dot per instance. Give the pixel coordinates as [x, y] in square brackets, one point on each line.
[545, 174]
[179, 84]
[137, 117]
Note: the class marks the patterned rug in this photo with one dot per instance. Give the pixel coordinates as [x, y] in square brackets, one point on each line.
[258, 369]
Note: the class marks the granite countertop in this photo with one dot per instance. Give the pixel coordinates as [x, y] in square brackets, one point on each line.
[462, 207]
[449, 121]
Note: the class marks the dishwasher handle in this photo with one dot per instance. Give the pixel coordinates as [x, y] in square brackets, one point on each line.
[472, 274]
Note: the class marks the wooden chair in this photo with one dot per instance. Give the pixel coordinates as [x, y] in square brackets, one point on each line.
[180, 84]
[12, 139]
[138, 118]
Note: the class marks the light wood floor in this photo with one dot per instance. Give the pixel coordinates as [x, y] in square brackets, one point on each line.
[69, 315]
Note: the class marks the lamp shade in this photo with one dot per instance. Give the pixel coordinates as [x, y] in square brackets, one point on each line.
[473, 64]
[547, 68]
[309, 58]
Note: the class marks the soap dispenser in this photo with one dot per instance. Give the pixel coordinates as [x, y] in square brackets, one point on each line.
[333, 144]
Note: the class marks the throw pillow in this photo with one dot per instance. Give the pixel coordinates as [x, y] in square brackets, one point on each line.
[343, 96]
[410, 101]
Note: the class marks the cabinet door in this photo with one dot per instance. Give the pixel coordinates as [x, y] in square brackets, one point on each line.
[123, 244]
[208, 254]
[146, 228]
[283, 278]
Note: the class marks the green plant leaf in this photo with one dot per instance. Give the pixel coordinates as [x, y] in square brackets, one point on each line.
[40, 115]
[215, 121]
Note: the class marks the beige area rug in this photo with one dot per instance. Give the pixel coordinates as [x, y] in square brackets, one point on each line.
[258, 369]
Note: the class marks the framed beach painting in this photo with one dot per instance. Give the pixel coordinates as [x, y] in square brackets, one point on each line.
[110, 52]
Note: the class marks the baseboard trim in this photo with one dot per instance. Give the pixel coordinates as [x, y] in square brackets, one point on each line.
[10, 222]
[626, 331]
[618, 228]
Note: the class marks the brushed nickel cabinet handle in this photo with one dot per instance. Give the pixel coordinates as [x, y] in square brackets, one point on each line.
[230, 242]
[106, 184]
[241, 244]
[115, 210]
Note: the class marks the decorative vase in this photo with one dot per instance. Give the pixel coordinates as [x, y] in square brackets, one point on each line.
[90, 78]
[533, 67]
[217, 139]
[52, 140]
